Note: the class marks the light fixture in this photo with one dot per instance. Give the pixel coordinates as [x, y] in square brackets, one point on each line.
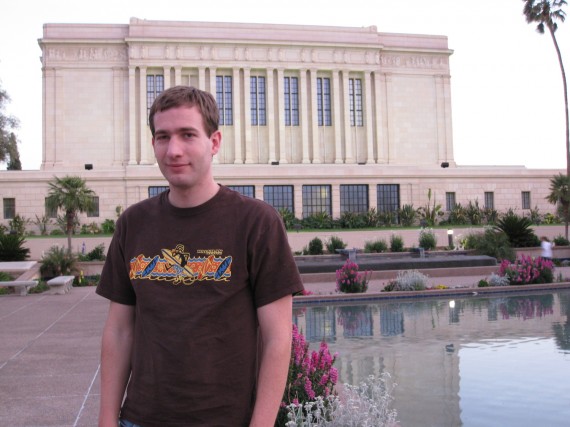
[444, 164]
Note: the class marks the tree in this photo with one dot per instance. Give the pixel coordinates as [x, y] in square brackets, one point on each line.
[14, 163]
[545, 13]
[8, 141]
[72, 195]
[560, 195]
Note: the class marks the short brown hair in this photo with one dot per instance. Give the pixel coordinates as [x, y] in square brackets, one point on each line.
[189, 96]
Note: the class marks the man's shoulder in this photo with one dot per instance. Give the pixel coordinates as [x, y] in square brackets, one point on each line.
[247, 204]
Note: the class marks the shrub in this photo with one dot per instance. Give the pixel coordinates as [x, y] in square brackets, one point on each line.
[108, 226]
[396, 243]
[427, 239]
[496, 280]
[352, 220]
[376, 246]
[311, 375]
[96, 254]
[319, 221]
[408, 280]
[43, 223]
[458, 215]
[82, 280]
[56, 262]
[527, 270]
[473, 212]
[39, 288]
[492, 243]
[5, 277]
[12, 247]
[315, 247]
[350, 280]
[18, 224]
[482, 283]
[518, 230]
[407, 215]
[561, 241]
[335, 243]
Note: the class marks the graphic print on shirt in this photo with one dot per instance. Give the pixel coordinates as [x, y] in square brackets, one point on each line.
[180, 267]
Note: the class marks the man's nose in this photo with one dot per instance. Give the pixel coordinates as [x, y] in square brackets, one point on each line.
[174, 147]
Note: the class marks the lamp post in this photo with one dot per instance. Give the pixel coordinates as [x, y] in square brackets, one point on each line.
[450, 239]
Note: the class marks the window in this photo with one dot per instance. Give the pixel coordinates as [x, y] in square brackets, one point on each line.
[388, 199]
[224, 99]
[94, 211]
[156, 190]
[279, 196]
[50, 213]
[324, 101]
[353, 198]
[525, 195]
[257, 96]
[355, 98]
[246, 190]
[489, 200]
[291, 101]
[9, 208]
[316, 199]
[154, 86]
[449, 201]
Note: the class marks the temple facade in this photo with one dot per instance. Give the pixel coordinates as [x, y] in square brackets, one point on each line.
[313, 118]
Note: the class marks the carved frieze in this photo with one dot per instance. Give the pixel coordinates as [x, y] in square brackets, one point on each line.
[95, 53]
[426, 62]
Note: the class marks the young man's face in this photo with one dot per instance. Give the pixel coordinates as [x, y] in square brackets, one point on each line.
[182, 148]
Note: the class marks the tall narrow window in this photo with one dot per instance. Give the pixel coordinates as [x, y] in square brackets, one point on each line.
[449, 201]
[489, 200]
[388, 200]
[154, 87]
[354, 198]
[324, 101]
[9, 208]
[257, 97]
[291, 86]
[245, 190]
[279, 196]
[50, 212]
[224, 99]
[94, 211]
[355, 97]
[316, 199]
[525, 196]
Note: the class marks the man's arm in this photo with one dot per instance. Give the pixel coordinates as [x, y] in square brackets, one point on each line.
[116, 350]
[275, 323]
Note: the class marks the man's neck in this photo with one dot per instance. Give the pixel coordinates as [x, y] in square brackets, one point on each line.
[192, 197]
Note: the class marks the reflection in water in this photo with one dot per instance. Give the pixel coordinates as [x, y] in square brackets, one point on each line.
[445, 355]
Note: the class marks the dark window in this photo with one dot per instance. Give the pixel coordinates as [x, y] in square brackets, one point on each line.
[388, 199]
[94, 211]
[50, 213]
[257, 96]
[355, 97]
[156, 190]
[489, 200]
[224, 99]
[279, 196]
[154, 87]
[316, 199]
[9, 208]
[354, 198]
[449, 201]
[324, 101]
[291, 101]
[246, 190]
[525, 195]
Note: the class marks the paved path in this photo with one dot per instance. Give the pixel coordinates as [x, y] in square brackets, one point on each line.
[49, 356]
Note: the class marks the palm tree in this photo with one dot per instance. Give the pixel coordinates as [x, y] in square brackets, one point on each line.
[545, 13]
[72, 195]
[560, 195]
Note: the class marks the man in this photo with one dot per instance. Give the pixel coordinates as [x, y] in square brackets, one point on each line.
[205, 342]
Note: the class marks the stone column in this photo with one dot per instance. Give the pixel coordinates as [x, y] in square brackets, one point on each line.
[379, 116]
[390, 140]
[177, 75]
[236, 90]
[145, 146]
[202, 79]
[212, 90]
[314, 118]
[132, 117]
[349, 157]
[367, 94]
[247, 115]
[337, 124]
[304, 106]
[166, 74]
[280, 113]
[271, 116]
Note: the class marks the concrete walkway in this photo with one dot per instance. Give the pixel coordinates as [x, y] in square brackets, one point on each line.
[49, 357]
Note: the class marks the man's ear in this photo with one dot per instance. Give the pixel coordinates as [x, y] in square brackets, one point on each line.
[216, 139]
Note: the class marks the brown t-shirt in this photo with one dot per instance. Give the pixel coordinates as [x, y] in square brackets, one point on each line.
[196, 277]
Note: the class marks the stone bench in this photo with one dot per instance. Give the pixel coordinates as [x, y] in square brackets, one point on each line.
[60, 285]
[21, 285]
[349, 253]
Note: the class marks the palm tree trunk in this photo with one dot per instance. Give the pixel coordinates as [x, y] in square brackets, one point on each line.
[566, 116]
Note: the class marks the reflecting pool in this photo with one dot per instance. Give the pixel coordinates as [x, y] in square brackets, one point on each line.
[469, 361]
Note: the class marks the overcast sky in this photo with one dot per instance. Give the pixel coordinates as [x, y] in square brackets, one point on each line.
[506, 85]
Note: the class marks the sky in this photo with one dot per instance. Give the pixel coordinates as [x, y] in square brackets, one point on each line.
[506, 86]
